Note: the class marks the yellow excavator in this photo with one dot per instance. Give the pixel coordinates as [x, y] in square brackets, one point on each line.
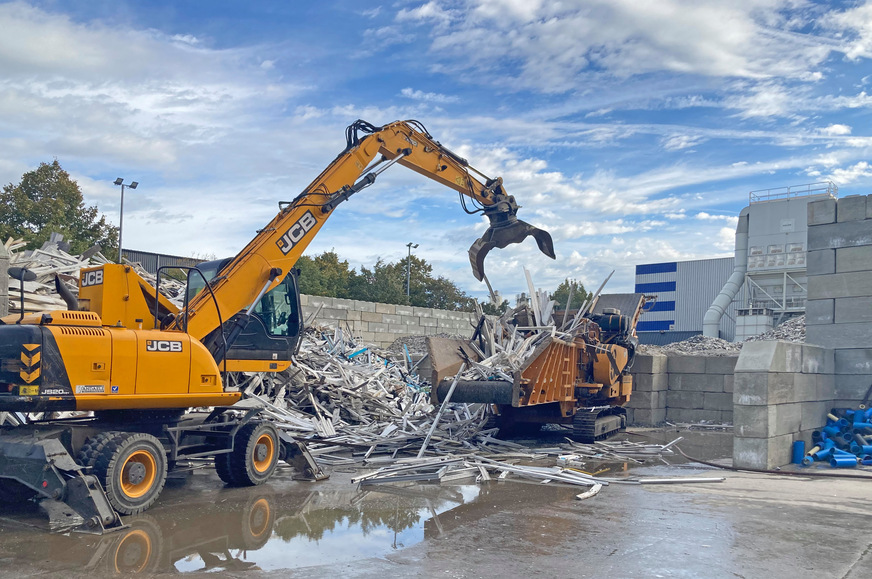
[124, 352]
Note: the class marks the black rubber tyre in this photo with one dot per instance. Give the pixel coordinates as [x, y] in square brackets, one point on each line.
[254, 457]
[131, 466]
[222, 467]
[137, 549]
[256, 523]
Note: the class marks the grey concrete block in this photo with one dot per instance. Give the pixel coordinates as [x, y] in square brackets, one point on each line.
[649, 417]
[392, 319]
[854, 361]
[826, 384]
[364, 306]
[851, 208]
[814, 415]
[378, 328]
[850, 259]
[304, 299]
[701, 415]
[689, 382]
[727, 417]
[720, 364]
[386, 308]
[869, 206]
[788, 418]
[343, 304]
[687, 400]
[648, 400]
[821, 262]
[760, 388]
[649, 364]
[411, 320]
[804, 387]
[332, 314]
[650, 382]
[728, 382]
[838, 336]
[821, 212]
[851, 387]
[718, 401]
[772, 356]
[835, 235]
[763, 453]
[685, 364]
[368, 316]
[847, 310]
[752, 421]
[429, 322]
[353, 316]
[819, 312]
[405, 310]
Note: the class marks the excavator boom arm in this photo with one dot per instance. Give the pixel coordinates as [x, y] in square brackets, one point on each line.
[281, 243]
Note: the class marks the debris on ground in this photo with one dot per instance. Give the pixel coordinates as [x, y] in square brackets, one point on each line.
[846, 439]
[792, 330]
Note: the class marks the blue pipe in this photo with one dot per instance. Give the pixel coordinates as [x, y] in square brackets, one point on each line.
[865, 461]
[809, 460]
[816, 436]
[799, 451]
[841, 461]
[824, 454]
[830, 430]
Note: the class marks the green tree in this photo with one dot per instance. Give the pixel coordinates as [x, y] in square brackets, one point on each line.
[47, 200]
[325, 275]
[490, 309]
[561, 294]
[379, 284]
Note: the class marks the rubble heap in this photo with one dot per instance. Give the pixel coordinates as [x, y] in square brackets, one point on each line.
[695, 346]
[792, 330]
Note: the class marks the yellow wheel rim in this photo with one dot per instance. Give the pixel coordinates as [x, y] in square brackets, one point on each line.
[133, 552]
[138, 474]
[258, 518]
[268, 444]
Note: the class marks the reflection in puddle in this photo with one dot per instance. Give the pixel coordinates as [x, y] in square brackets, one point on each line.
[264, 531]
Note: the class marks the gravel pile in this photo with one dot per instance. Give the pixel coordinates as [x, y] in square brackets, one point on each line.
[790, 331]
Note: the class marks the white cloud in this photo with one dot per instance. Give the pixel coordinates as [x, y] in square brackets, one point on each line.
[680, 142]
[857, 172]
[836, 130]
[431, 97]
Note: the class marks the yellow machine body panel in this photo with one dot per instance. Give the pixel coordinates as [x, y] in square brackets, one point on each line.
[120, 297]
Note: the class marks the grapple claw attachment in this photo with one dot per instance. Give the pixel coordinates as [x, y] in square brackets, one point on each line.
[503, 234]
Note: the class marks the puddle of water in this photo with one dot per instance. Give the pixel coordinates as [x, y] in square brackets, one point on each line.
[249, 529]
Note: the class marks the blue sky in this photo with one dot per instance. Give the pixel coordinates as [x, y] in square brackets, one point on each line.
[632, 130]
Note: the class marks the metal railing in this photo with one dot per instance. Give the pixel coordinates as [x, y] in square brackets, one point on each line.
[822, 188]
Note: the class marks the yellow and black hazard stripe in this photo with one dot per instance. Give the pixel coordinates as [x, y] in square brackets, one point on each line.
[31, 357]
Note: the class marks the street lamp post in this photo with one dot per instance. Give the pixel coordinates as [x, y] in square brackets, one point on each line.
[411, 246]
[133, 184]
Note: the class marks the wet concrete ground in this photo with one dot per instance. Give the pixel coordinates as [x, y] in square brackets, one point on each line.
[751, 525]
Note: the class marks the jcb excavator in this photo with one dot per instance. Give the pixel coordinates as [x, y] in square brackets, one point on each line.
[125, 352]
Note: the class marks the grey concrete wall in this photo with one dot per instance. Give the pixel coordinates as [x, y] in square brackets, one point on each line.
[839, 312]
[681, 389]
[4, 280]
[782, 392]
[381, 324]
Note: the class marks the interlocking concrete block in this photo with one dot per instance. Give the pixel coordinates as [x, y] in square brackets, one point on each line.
[439, 314]
[429, 322]
[814, 415]
[653, 417]
[693, 415]
[851, 387]
[728, 382]
[847, 310]
[364, 306]
[727, 416]
[854, 361]
[378, 328]
[869, 206]
[826, 386]
[386, 308]
[332, 314]
[320, 301]
[685, 364]
[762, 453]
[689, 400]
[392, 319]
[821, 212]
[835, 235]
[371, 317]
[772, 356]
[343, 304]
[752, 420]
[720, 364]
[838, 336]
[760, 388]
[353, 315]
[648, 400]
[821, 262]
[405, 311]
[649, 364]
[851, 208]
[819, 312]
[650, 382]
[718, 400]
[850, 259]
[689, 382]
[788, 418]
[304, 298]
[804, 387]
[422, 312]
[411, 320]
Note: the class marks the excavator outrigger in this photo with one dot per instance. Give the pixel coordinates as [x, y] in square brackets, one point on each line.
[129, 355]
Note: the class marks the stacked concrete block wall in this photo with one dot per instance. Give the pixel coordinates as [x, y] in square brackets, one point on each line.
[381, 324]
[682, 389]
[4, 280]
[839, 310]
[782, 392]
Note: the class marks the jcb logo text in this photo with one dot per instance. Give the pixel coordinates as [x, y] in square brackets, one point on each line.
[92, 278]
[162, 346]
[296, 232]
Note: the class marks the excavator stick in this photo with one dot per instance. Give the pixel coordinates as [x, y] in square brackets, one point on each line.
[503, 236]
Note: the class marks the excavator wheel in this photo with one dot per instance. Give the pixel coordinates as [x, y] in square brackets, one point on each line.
[131, 466]
[137, 549]
[254, 457]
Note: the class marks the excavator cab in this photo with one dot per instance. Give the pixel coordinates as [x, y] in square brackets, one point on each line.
[272, 334]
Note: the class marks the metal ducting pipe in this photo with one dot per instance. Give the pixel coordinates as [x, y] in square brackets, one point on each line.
[712, 320]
